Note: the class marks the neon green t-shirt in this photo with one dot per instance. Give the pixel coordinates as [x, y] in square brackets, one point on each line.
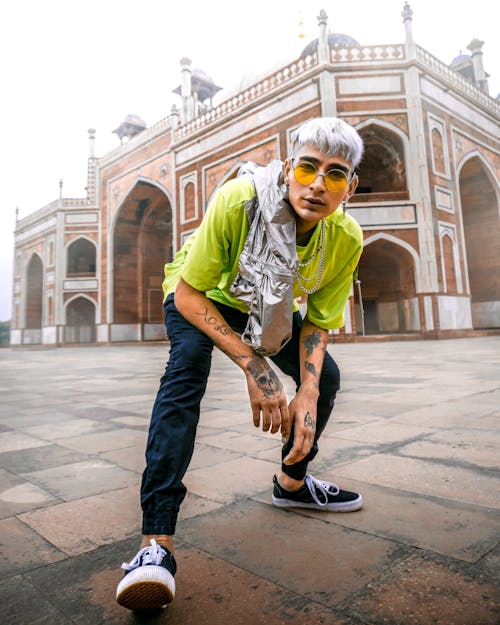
[208, 261]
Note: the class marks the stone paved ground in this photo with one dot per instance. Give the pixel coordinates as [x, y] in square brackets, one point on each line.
[415, 429]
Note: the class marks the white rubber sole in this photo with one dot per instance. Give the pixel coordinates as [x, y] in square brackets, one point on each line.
[148, 587]
[341, 506]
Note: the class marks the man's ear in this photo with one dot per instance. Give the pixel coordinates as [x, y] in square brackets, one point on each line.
[352, 186]
[288, 166]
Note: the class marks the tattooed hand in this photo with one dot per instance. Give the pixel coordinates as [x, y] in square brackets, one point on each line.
[267, 397]
[304, 427]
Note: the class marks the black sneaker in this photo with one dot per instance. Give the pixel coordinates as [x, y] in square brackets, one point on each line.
[316, 495]
[149, 582]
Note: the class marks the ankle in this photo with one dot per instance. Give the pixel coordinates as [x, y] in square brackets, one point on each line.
[288, 483]
[164, 540]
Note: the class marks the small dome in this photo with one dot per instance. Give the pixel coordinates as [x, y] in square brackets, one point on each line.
[130, 126]
[461, 60]
[335, 40]
[135, 119]
[202, 85]
[462, 64]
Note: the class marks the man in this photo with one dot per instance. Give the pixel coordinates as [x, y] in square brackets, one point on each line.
[201, 311]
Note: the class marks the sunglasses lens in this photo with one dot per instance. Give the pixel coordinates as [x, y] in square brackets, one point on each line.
[335, 180]
[305, 173]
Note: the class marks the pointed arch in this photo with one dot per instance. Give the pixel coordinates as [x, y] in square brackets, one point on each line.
[479, 193]
[382, 172]
[140, 243]
[34, 292]
[146, 180]
[448, 263]
[490, 172]
[81, 256]
[389, 274]
[411, 250]
[80, 319]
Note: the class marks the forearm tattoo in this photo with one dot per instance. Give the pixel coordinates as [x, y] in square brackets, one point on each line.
[309, 422]
[311, 368]
[264, 376]
[311, 341]
[313, 371]
[212, 320]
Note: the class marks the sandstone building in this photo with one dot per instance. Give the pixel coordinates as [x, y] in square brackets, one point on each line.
[90, 269]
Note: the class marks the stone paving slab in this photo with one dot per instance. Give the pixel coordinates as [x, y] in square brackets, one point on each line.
[81, 479]
[415, 429]
[18, 495]
[422, 591]
[427, 478]
[460, 531]
[284, 548]
[210, 591]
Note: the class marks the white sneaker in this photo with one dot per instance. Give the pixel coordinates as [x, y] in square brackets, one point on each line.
[148, 582]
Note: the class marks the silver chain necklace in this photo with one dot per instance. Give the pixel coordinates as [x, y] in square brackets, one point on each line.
[318, 274]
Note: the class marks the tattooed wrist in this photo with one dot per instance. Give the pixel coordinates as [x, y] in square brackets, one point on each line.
[264, 376]
[309, 366]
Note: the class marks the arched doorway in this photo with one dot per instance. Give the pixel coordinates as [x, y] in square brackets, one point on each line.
[81, 258]
[387, 275]
[80, 321]
[382, 172]
[142, 244]
[481, 222]
[34, 298]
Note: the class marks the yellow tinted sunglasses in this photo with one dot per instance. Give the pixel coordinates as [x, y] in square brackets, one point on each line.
[334, 179]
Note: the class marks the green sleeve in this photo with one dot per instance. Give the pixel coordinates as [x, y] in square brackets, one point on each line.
[215, 247]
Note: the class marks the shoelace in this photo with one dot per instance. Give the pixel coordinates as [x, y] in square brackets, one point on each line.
[320, 490]
[147, 555]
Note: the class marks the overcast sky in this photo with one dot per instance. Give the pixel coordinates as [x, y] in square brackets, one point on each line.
[68, 65]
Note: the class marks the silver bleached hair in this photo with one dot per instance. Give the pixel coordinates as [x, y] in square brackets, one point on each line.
[331, 136]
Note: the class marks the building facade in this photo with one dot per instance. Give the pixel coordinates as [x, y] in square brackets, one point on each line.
[428, 201]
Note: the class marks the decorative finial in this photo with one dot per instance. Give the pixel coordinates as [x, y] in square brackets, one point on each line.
[91, 132]
[60, 188]
[322, 18]
[475, 45]
[407, 12]
[17, 213]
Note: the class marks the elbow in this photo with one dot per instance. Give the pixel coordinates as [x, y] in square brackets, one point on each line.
[180, 295]
[184, 295]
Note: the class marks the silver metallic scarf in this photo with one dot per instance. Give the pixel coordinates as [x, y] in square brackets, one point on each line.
[268, 262]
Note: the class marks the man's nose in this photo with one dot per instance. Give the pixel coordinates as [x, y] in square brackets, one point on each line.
[319, 180]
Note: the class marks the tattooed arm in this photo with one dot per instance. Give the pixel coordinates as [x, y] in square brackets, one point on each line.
[303, 407]
[266, 393]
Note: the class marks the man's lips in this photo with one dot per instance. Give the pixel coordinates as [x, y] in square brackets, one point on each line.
[314, 201]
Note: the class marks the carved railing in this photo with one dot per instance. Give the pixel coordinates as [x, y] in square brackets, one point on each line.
[439, 69]
[76, 202]
[249, 95]
[368, 54]
[40, 213]
[143, 137]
